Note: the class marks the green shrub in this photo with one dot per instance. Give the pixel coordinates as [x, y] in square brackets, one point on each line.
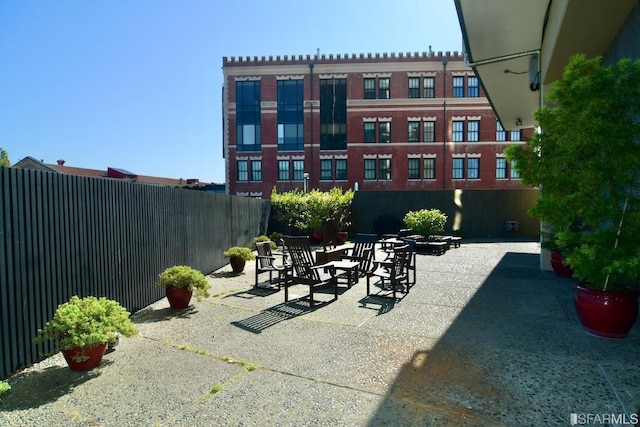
[426, 222]
[239, 252]
[304, 212]
[263, 238]
[183, 276]
[86, 322]
[4, 387]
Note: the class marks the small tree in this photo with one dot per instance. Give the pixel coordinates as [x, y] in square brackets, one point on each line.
[4, 158]
[586, 160]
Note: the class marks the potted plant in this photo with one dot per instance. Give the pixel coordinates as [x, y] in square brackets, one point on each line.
[426, 222]
[84, 327]
[181, 282]
[586, 160]
[238, 256]
[263, 238]
[4, 387]
[341, 211]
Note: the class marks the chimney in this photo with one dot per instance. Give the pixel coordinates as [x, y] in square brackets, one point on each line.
[61, 162]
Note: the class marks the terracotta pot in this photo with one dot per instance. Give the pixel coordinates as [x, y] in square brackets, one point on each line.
[342, 237]
[179, 298]
[557, 263]
[608, 314]
[315, 236]
[237, 264]
[93, 357]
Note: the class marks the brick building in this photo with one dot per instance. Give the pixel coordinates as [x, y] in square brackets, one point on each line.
[369, 122]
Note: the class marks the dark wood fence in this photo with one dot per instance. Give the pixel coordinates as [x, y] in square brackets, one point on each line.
[471, 213]
[65, 235]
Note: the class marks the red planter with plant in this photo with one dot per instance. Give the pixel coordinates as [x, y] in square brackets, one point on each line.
[83, 359]
[179, 298]
[559, 266]
[608, 314]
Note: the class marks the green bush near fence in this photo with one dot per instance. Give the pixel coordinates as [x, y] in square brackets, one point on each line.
[301, 212]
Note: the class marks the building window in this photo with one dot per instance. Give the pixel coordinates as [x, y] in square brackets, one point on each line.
[430, 168]
[429, 131]
[326, 169]
[298, 170]
[385, 168]
[457, 171]
[429, 87]
[473, 168]
[458, 131]
[458, 87]
[384, 129]
[256, 170]
[472, 87]
[369, 132]
[243, 171]
[473, 130]
[248, 127]
[414, 131]
[501, 135]
[283, 170]
[290, 114]
[384, 85]
[514, 172]
[501, 168]
[414, 169]
[516, 135]
[333, 114]
[369, 169]
[414, 87]
[341, 169]
[369, 88]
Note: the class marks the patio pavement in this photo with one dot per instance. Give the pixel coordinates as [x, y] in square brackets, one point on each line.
[484, 338]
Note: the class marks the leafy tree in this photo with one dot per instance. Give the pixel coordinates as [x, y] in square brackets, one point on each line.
[586, 160]
[4, 158]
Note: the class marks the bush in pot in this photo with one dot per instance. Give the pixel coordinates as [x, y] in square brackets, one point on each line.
[84, 326]
[586, 159]
[426, 222]
[238, 256]
[181, 282]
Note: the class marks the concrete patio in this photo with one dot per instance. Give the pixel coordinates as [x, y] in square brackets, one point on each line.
[484, 338]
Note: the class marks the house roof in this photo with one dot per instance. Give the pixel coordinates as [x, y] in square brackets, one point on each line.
[33, 163]
[509, 41]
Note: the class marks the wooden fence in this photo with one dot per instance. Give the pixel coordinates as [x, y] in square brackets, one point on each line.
[66, 235]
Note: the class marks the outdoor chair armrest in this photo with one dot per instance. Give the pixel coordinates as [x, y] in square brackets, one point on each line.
[328, 267]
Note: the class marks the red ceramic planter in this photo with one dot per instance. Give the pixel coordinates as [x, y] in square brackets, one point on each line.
[557, 263]
[237, 264]
[93, 357]
[605, 313]
[179, 298]
[315, 237]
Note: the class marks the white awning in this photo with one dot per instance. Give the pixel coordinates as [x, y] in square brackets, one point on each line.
[501, 37]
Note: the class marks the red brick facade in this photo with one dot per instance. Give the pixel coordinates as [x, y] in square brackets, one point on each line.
[442, 110]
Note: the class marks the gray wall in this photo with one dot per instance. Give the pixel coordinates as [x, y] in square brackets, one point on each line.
[471, 213]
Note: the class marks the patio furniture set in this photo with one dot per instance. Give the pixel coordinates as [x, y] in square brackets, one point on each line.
[389, 262]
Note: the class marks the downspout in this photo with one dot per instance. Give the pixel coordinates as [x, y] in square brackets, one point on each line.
[444, 125]
[312, 130]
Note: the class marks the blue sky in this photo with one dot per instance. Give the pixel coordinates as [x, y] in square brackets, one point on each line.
[136, 84]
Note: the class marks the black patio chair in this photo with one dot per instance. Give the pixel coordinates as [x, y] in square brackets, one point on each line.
[265, 263]
[305, 271]
[393, 271]
[363, 252]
